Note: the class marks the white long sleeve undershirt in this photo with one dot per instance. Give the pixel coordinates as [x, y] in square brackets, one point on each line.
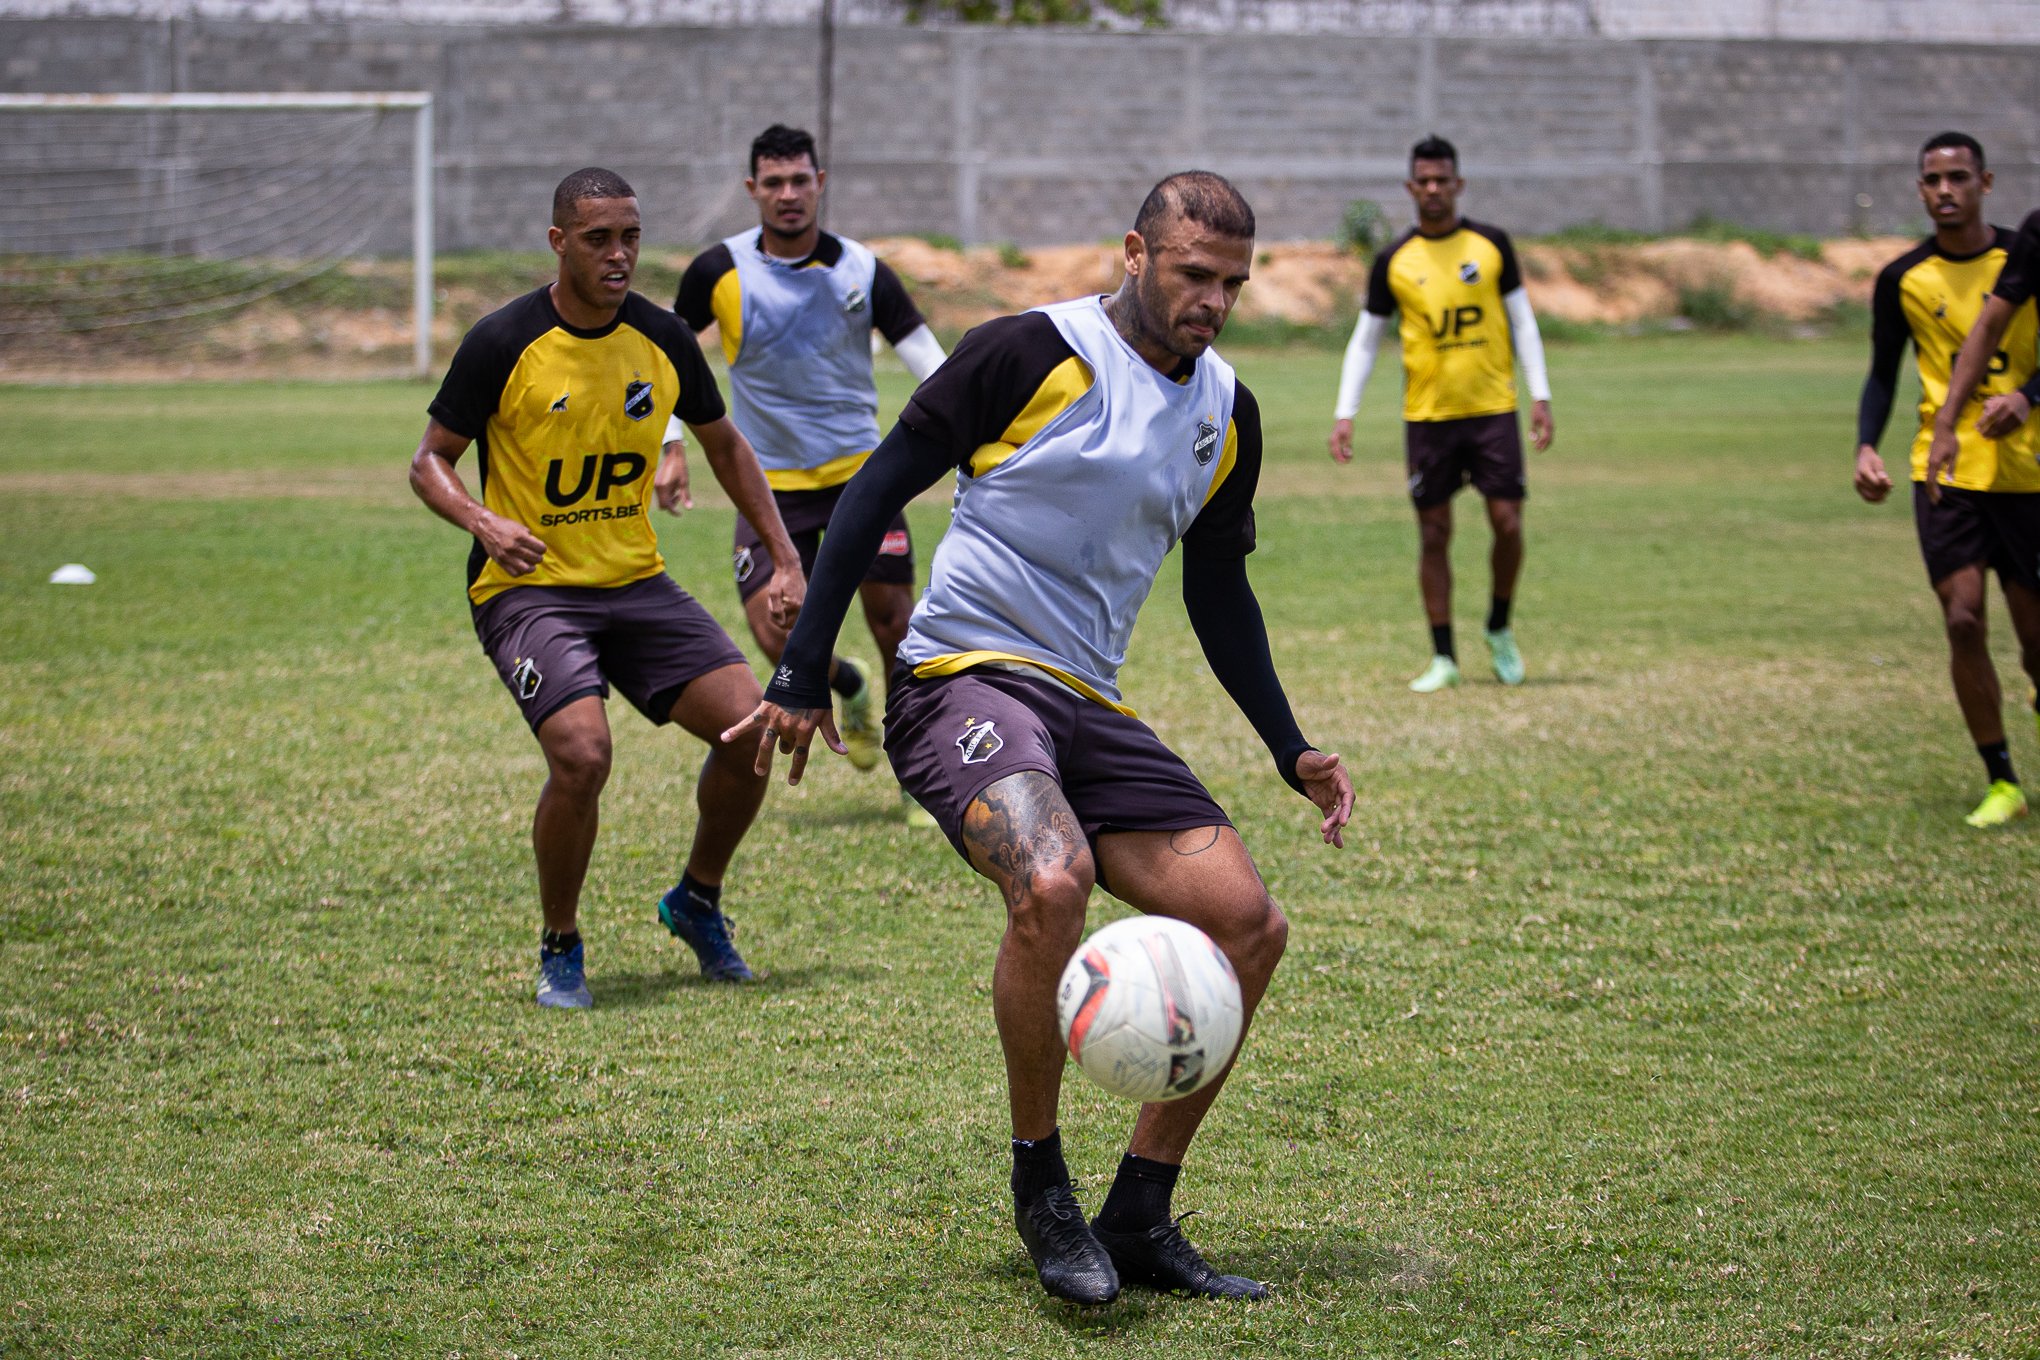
[921, 352]
[1365, 346]
[1359, 363]
[1529, 344]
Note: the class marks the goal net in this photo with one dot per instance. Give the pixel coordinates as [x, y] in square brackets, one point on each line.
[219, 234]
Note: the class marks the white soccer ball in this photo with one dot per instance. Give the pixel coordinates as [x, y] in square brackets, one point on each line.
[1150, 1008]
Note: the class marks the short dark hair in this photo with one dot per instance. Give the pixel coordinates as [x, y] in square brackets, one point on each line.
[591, 182]
[1201, 196]
[1434, 148]
[1953, 139]
[782, 143]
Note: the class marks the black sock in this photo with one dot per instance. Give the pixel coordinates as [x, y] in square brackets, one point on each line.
[1997, 758]
[552, 942]
[846, 681]
[1497, 614]
[1037, 1166]
[695, 893]
[1441, 639]
[1139, 1198]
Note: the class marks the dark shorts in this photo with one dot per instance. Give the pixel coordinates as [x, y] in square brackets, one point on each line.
[2000, 529]
[950, 737]
[1444, 455]
[555, 644]
[806, 514]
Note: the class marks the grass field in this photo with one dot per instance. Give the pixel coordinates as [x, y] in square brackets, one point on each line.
[1662, 1007]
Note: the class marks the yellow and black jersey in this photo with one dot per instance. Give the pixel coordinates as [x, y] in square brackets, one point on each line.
[1933, 299]
[568, 425]
[2020, 278]
[1012, 377]
[1458, 359]
[711, 294]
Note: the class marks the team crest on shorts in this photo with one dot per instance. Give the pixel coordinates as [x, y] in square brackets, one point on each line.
[1206, 447]
[525, 680]
[980, 742]
[895, 544]
[853, 301]
[637, 400]
[743, 564]
[1469, 272]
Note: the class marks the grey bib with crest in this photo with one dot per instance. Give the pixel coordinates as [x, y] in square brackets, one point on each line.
[800, 387]
[1051, 553]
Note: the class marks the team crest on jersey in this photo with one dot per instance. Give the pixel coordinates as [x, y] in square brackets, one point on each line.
[896, 544]
[1206, 447]
[853, 302]
[743, 564]
[1469, 272]
[637, 400]
[525, 679]
[561, 404]
[980, 742]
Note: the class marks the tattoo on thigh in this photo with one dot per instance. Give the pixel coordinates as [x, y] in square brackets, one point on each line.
[1020, 826]
[1194, 841]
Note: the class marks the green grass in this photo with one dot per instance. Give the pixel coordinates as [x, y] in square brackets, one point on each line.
[1663, 1007]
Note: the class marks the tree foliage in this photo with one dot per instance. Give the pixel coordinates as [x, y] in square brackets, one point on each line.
[1033, 11]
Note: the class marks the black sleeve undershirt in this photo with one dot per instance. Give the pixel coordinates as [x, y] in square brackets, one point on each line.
[892, 310]
[903, 466]
[695, 300]
[1227, 620]
[1888, 334]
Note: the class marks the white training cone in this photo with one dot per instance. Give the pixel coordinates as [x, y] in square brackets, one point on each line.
[72, 574]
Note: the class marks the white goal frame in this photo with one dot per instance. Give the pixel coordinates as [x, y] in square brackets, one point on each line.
[421, 162]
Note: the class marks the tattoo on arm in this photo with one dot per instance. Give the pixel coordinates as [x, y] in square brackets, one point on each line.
[1020, 826]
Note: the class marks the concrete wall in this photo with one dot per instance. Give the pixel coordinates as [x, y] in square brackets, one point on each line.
[1032, 136]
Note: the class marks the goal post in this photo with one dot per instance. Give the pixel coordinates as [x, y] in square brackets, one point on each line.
[417, 103]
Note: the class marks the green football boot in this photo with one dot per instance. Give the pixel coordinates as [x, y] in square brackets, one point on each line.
[2004, 802]
[1501, 646]
[1442, 673]
[917, 816]
[857, 727]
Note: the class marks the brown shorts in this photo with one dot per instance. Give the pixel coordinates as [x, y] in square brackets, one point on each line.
[2000, 529]
[1444, 455]
[806, 515]
[555, 644]
[951, 737]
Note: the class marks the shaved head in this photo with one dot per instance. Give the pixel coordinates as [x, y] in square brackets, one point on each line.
[1198, 196]
[592, 182]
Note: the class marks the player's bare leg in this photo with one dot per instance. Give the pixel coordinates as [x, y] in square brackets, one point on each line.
[1969, 664]
[2024, 607]
[1203, 876]
[887, 607]
[1434, 581]
[1505, 562]
[1021, 834]
[726, 799]
[1978, 693]
[575, 740]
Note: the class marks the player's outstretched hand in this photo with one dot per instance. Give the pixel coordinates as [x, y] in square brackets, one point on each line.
[509, 544]
[1940, 458]
[1341, 442]
[669, 483]
[1540, 425]
[1326, 784]
[2003, 414]
[791, 730]
[784, 595]
[1873, 483]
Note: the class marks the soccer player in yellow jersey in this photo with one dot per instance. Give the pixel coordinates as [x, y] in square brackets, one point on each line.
[565, 393]
[1465, 321]
[1978, 508]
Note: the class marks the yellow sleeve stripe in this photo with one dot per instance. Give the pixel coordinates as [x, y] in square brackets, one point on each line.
[727, 302]
[1225, 459]
[1066, 382]
[953, 662]
[832, 473]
